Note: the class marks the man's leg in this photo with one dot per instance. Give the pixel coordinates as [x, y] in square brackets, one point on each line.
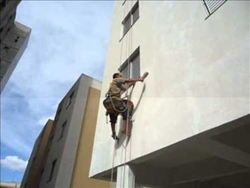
[127, 115]
[113, 119]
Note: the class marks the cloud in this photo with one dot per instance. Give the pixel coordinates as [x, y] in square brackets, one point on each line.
[60, 49]
[44, 120]
[14, 163]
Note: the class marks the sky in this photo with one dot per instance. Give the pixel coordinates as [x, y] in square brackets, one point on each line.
[68, 38]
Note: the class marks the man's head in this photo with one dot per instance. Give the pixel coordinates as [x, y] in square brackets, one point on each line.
[117, 75]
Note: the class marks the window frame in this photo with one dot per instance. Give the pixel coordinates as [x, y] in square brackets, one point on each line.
[62, 132]
[70, 98]
[208, 9]
[52, 170]
[130, 16]
[129, 63]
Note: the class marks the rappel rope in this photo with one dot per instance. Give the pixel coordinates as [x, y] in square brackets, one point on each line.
[126, 95]
[129, 70]
[113, 160]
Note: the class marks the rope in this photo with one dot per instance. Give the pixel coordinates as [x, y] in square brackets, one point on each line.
[113, 160]
[113, 105]
[128, 50]
[128, 121]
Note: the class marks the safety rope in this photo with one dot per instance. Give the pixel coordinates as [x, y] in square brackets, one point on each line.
[113, 105]
[113, 160]
[129, 72]
[128, 51]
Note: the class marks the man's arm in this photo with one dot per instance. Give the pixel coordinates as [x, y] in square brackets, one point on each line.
[133, 81]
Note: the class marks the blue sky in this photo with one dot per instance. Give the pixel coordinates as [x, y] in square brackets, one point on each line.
[68, 38]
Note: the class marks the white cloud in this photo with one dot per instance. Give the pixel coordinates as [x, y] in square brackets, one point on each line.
[14, 163]
[44, 120]
[60, 49]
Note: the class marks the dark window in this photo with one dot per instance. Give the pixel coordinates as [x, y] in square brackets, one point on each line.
[70, 99]
[2, 4]
[52, 170]
[213, 5]
[41, 172]
[62, 130]
[126, 25]
[135, 13]
[58, 111]
[131, 67]
[131, 18]
[34, 159]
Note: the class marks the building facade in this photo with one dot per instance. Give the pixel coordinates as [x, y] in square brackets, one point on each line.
[65, 160]
[191, 119]
[35, 167]
[14, 39]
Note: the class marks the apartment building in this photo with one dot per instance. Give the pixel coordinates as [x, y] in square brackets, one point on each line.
[14, 39]
[65, 160]
[9, 185]
[191, 119]
[35, 167]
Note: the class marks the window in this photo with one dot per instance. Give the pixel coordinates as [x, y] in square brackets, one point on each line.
[131, 67]
[2, 4]
[213, 5]
[52, 170]
[124, 2]
[131, 18]
[59, 109]
[70, 99]
[42, 171]
[62, 130]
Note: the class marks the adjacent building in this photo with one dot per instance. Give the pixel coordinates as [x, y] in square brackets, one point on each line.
[62, 153]
[9, 185]
[35, 167]
[191, 122]
[14, 39]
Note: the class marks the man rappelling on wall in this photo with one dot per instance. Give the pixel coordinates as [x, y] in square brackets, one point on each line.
[115, 105]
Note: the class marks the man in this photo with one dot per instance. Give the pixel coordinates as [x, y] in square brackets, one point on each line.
[117, 105]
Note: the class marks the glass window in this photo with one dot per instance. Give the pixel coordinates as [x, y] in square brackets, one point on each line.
[52, 170]
[62, 130]
[131, 67]
[135, 13]
[135, 64]
[126, 25]
[69, 101]
[131, 18]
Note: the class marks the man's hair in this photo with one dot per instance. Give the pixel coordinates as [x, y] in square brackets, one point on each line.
[115, 75]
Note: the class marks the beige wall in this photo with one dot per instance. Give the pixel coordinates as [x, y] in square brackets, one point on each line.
[83, 157]
[33, 174]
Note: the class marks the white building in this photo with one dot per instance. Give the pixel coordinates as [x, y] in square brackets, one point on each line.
[14, 39]
[191, 119]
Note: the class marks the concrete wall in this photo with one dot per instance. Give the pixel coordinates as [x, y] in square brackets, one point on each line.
[13, 46]
[199, 74]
